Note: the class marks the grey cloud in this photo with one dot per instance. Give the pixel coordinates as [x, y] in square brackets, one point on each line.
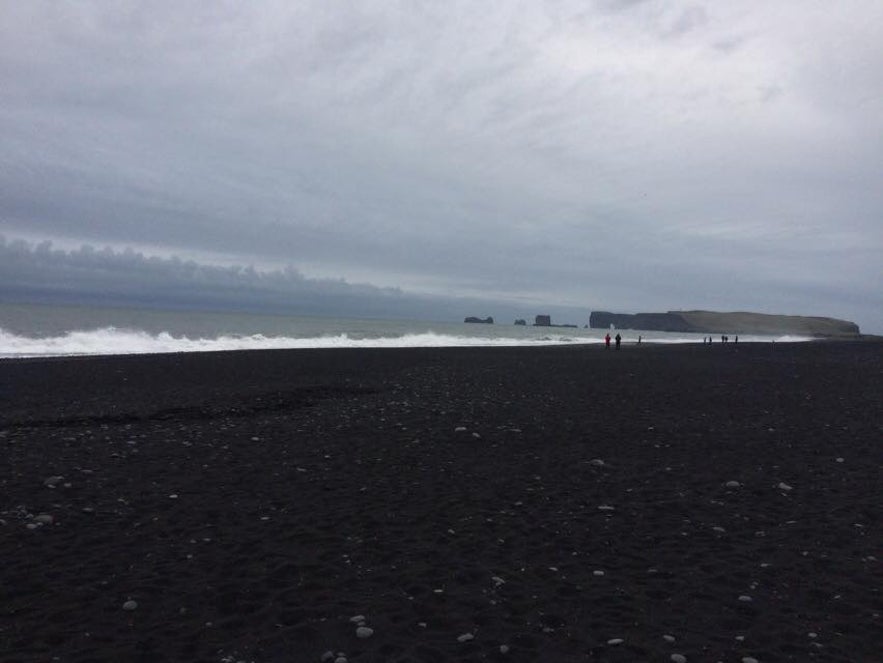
[102, 275]
[691, 18]
[558, 151]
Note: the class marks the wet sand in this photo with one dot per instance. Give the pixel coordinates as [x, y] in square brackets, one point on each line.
[566, 504]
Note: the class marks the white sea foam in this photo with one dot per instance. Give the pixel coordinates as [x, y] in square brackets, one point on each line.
[110, 341]
[114, 340]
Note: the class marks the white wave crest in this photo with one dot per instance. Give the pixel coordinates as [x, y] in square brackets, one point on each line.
[113, 341]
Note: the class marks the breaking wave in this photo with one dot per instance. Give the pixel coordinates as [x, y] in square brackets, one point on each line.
[113, 341]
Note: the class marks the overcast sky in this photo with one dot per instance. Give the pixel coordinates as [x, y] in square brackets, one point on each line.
[622, 155]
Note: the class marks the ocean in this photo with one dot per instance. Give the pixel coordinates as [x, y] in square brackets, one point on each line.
[32, 330]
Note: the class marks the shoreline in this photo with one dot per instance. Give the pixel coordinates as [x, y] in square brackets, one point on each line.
[553, 500]
[626, 342]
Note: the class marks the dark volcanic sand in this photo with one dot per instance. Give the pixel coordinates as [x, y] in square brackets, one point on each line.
[251, 503]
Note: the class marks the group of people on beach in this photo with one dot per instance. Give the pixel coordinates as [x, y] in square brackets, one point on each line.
[724, 339]
[618, 340]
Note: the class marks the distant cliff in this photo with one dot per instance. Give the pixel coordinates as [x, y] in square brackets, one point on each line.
[712, 322]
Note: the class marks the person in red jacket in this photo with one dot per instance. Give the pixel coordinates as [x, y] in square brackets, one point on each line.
[607, 341]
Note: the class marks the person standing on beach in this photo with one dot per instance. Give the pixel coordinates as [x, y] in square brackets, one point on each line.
[607, 341]
[618, 341]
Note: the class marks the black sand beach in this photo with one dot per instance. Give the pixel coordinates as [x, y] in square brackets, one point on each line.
[721, 503]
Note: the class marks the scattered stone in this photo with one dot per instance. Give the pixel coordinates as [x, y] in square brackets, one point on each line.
[340, 659]
[597, 573]
[504, 649]
[615, 641]
[813, 635]
[606, 507]
[466, 637]
[668, 638]
[53, 481]
[130, 605]
[784, 486]
[364, 632]
[460, 429]
[678, 658]
[745, 598]
[358, 619]
[44, 519]
[733, 484]
[840, 459]
[597, 462]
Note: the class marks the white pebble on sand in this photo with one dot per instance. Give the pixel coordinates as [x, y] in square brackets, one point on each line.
[466, 637]
[597, 573]
[53, 481]
[615, 641]
[460, 429]
[358, 619]
[130, 605]
[364, 632]
[44, 519]
[668, 638]
[504, 649]
[784, 486]
[340, 659]
[745, 598]
[839, 459]
[732, 484]
[606, 507]
[678, 658]
[597, 462]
